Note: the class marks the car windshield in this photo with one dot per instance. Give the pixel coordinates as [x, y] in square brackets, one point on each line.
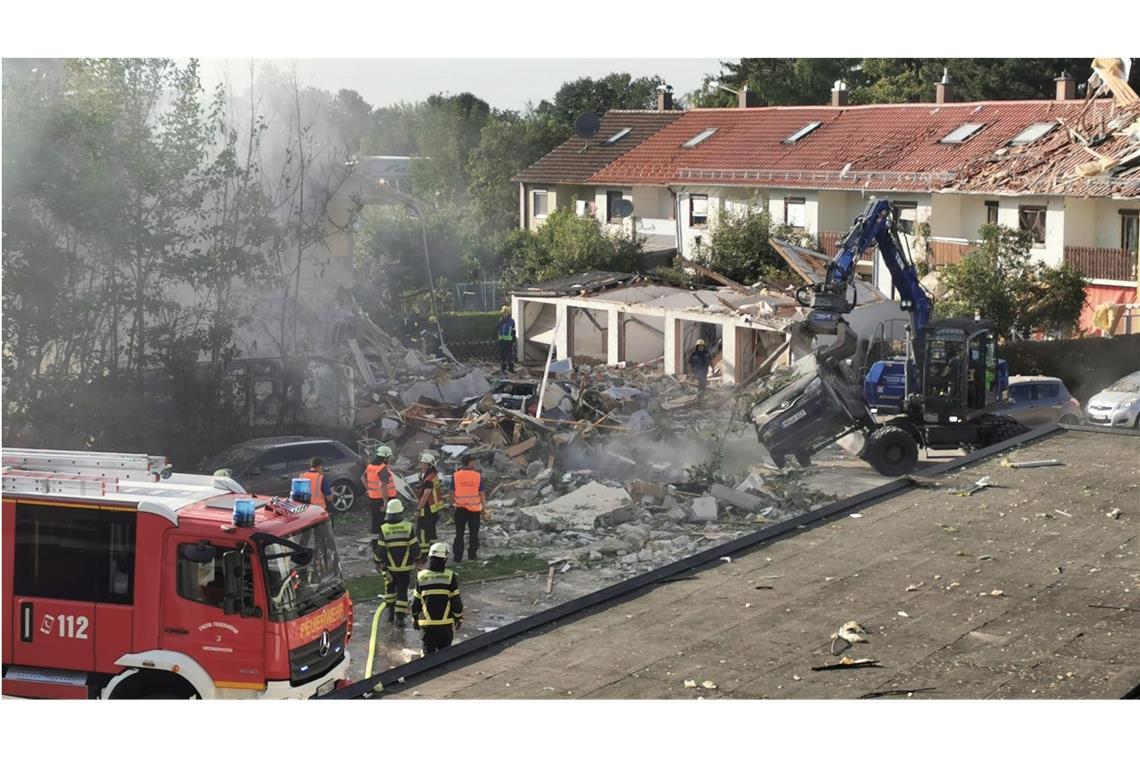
[801, 376]
[295, 590]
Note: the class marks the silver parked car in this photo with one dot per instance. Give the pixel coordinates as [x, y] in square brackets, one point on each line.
[268, 465]
[1039, 400]
[1118, 405]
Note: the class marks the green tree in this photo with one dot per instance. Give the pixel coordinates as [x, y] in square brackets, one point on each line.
[739, 247]
[912, 80]
[448, 131]
[567, 244]
[616, 90]
[999, 280]
[778, 81]
[508, 143]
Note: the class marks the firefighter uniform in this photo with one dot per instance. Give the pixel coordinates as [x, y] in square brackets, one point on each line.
[396, 551]
[437, 607]
[430, 502]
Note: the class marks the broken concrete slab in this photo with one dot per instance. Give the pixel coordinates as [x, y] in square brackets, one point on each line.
[472, 384]
[741, 499]
[704, 509]
[586, 508]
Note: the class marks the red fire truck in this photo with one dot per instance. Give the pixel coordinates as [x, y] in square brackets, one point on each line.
[123, 580]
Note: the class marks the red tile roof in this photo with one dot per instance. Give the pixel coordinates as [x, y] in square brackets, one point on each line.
[569, 163]
[878, 147]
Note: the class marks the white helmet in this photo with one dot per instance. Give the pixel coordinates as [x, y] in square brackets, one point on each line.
[383, 451]
[427, 458]
[395, 507]
[438, 549]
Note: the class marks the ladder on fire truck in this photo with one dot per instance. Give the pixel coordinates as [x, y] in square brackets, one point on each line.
[92, 473]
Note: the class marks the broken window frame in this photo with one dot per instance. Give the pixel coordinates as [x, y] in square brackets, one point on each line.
[906, 225]
[545, 195]
[1032, 220]
[795, 201]
[694, 216]
[1130, 230]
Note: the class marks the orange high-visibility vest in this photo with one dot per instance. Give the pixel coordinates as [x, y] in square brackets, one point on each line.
[315, 480]
[466, 490]
[375, 486]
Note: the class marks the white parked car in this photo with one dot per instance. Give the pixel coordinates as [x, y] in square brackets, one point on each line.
[1117, 405]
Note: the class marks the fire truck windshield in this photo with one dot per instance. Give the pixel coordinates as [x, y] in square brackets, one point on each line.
[295, 589]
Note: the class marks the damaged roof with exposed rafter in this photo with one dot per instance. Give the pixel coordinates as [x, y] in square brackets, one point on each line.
[575, 160]
[875, 147]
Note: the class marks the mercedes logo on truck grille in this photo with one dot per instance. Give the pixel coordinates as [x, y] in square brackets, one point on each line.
[326, 643]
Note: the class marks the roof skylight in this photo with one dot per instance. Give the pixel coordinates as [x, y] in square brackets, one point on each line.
[700, 138]
[1033, 132]
[618, 135]
[803, 132]
[962, 133]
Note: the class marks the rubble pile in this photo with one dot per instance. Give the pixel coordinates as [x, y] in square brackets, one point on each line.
[620, 466]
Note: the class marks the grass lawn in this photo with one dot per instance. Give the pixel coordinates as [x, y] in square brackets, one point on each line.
[504, 565]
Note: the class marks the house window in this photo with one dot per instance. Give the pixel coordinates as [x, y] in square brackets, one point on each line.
[991, 212]
[698, 210]
[907, 216]
[795, 212]
[540, 207]
[1130, 230]
[612, 197]
[1032, 220]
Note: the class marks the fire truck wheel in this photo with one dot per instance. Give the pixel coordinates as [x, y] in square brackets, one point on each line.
[343, 496]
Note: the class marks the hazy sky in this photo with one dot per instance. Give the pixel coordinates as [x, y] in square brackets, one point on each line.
[502, 83]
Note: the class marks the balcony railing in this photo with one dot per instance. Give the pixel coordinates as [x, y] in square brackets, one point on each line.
[829, 243]
[941, 251]
[1102, 263]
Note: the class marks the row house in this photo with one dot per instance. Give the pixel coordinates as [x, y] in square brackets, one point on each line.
[949, 166]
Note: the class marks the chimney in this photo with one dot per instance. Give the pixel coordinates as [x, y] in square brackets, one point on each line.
[665, 97]
[944, 90]
[747, 98]
[1066, 87]
[839, 96]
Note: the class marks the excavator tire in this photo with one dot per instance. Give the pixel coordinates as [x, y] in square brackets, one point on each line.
[891, 451]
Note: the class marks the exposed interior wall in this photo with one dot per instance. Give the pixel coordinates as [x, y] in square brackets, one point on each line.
[652, 202]
[974, 214]
[589, 333]
[1108, 221]
[753, 347]
[643, 337]
[538, 317]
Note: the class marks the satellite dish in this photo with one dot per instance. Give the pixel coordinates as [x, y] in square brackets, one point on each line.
[587, 125]
[622, 208]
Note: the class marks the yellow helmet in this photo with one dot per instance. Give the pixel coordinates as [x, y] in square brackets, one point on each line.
[395, 507]
[701, 342]
[505, 310]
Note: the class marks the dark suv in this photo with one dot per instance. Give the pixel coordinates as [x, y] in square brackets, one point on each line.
[268, 466]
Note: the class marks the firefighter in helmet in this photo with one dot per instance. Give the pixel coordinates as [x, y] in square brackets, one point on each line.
[430, 501]
[396, 553]
[437, 607]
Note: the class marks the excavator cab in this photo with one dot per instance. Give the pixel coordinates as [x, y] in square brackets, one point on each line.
[960, 371]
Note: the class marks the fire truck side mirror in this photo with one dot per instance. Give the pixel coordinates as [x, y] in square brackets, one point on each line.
[235, 582]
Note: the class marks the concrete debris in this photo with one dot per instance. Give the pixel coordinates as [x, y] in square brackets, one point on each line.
[736, 498]
[704, 509]
[588, 507]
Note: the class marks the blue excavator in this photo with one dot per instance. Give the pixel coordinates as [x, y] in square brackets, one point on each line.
[944, 391]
